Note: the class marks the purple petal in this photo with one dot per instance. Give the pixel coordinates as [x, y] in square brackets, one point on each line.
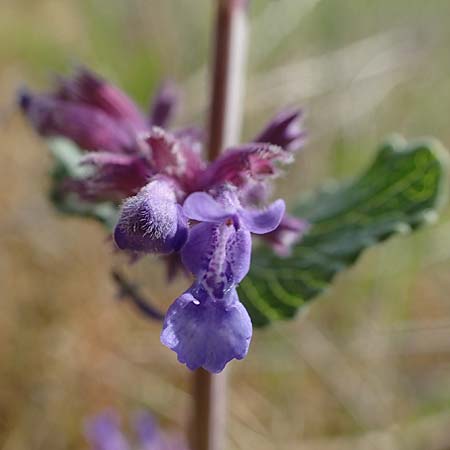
[263, 221]
[151, 221]
[173, 157]
[284, 130]
[238, 254]
[198, 247]
[207, 333]
[115, 176]
[103, 433]
[151, 438]
[164, 104]
[90, 89]
[204, 208]
[237, 165]
[219, 255]
[89, 128]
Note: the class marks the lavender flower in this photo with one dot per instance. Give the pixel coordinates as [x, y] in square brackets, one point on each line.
[207, 326]
[199, 215]
[103, 432]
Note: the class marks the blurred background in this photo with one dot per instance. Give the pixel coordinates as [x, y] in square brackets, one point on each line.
[368, 366]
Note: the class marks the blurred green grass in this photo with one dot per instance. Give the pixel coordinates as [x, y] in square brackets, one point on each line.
[367, 366]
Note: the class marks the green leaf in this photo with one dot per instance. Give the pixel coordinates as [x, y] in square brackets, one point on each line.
[67, 157]
[399, 192]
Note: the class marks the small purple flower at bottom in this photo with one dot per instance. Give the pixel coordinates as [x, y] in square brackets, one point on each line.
[207, 326]
[103, 432]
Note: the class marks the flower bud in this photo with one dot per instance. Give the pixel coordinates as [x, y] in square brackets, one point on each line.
[152, 221]
[284, 130]
[89, 128]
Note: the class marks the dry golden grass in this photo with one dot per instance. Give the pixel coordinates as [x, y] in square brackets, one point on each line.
[366, 367]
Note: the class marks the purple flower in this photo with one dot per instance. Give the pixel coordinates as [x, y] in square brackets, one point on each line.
[152, 221]
[207, 326]
[150, 436]
[103, 432]
[135, 160]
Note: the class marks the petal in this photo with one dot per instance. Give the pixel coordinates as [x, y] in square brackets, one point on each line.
[115, 176]
[218, 255]
[237, 165]
[151, 221]
[90, 89]
[206, 333]
[182, 233]
[198, 248]
[89, 128]
[261, 222]
[173, 156]
[238, 254]
[164, 104]
[284, 130]
[204, 208]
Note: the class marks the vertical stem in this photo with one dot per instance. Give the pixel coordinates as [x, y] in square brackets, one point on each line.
[209, 411]
[224, 126]
[227, 76]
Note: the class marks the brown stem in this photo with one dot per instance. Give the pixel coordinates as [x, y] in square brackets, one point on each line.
[227, 76]
[209, 391]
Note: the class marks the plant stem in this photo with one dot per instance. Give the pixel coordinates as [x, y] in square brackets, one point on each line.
[227, 76]
[224, 126]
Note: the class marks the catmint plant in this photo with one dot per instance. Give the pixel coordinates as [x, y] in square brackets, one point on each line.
[175, 202]
[204, 204]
